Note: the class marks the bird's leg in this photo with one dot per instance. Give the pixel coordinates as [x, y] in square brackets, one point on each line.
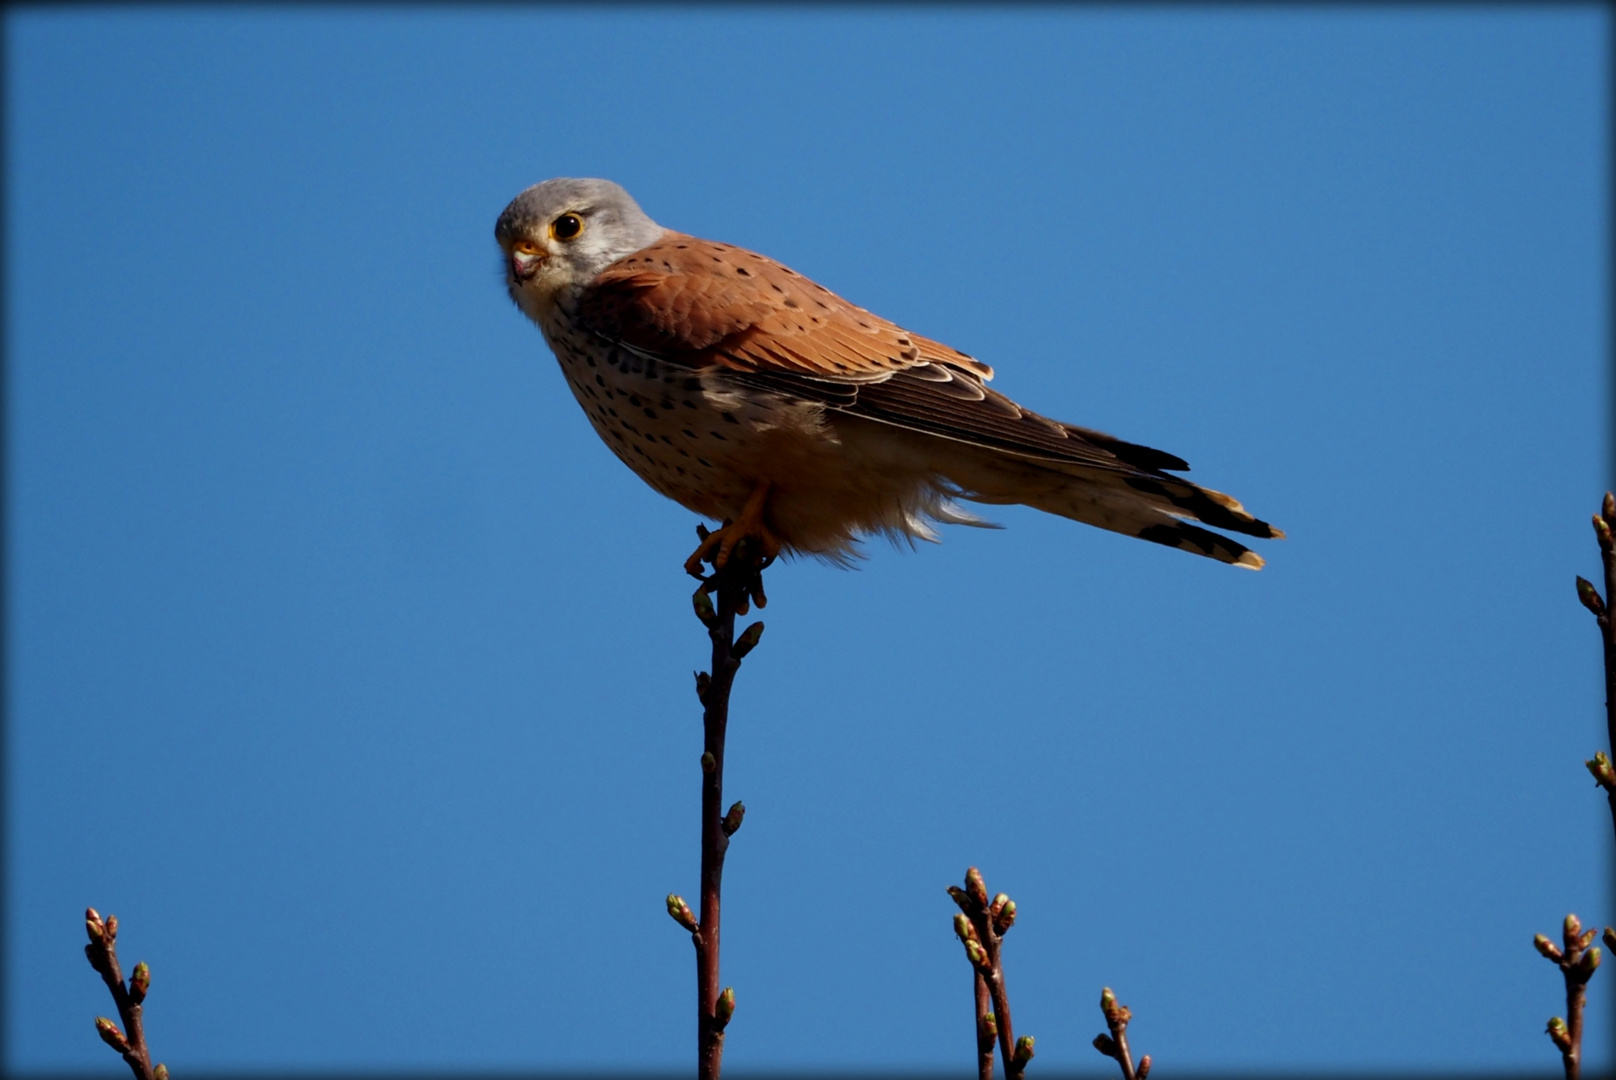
[717, 547]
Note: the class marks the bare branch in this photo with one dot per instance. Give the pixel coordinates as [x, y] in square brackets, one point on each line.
[130, 1042]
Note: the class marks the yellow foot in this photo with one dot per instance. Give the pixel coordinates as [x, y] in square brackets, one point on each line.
[717, 547]
[760, 545]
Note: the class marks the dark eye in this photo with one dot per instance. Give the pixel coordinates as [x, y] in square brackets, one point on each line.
[567, 227]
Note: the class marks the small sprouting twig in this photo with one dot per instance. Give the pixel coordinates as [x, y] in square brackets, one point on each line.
[1115, 1045]
[1577, 963]
[981, 926]
[102, 952]
[735, 585]
[1604, 524]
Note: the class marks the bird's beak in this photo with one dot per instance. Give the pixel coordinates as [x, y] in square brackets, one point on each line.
[525, 264]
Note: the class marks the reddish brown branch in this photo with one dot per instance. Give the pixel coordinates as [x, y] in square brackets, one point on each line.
[1115, 1045]
[981, 926]
[1577, 963]
[1604, 526]
[734, 585]
[102, 952]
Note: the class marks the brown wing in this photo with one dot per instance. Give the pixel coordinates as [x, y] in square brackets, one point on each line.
[703, 304]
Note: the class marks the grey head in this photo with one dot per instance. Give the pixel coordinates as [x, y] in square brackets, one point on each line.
[556, 236]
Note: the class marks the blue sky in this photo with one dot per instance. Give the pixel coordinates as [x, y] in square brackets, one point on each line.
[344, 660]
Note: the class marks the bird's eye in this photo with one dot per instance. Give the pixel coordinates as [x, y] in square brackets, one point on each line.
[567, 227]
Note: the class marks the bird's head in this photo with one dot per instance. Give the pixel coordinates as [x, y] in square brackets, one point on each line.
[556, 236]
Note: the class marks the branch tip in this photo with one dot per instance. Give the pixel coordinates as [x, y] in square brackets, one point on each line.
[975, 887]
[682, 914]
[733, 819]
[111, 1035]
[1548, 948]
[139, 983]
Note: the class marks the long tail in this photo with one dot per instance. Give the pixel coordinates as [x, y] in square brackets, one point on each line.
[1142, 502]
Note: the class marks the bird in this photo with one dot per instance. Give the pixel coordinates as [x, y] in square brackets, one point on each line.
[758, 398]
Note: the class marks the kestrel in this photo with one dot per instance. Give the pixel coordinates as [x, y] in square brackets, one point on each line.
[751, 395]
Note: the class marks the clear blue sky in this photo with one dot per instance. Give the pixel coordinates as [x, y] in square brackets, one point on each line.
[346, 662]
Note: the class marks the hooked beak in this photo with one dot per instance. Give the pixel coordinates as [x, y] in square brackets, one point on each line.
[525, 264]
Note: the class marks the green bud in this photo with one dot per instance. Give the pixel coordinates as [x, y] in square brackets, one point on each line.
[1106, 1045]
[998, 904]
[112, 929]
[963, 928]
[748, 640]
[1023, 1052]
[1572, 930]
[1006, 918]
[1557, 1031]
[1602, 531]
[1601, 769]
[975, 887]
[1547, 947]
[1587, 964]
[988, 1029]
[708, 762]
[94, 926]
[975, 953]
[733, 819]
[682, 914]
[725, 1008]
[111, 1035]
[704, 607]
[958, 895]
[139, 983]
[160, 1073]
[1589, 595]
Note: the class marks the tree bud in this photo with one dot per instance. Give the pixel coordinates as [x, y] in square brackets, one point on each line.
[1023, 1053]
[1115, 1015]
[1589, 596]
[1106, 1045]
[957, 894]
[733, 819]
[1608, 507]
[976, 954]
[681, 913]
[988, 1028]
[1572, 930]
[998, 905]
[1601, 769]
[703, 681]
[748, 640]
[1547, 948]
[111, 1035]
[1144, 1068]
[94, 926]
[708, 762]
[963, 928]
[704, 607]
[975, 887]
[1557, 1031]
[112, 929]
[725, 1007]
[161, 1072]
[1602, 530]
[1609, 937]
[139, 983]
[1587, 964]
[1007, 917]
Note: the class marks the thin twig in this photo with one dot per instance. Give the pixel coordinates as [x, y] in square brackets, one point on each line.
[1115, 1045]
[981, 926]
[1577, 963]
[735, 585]
[1604, 524]
[987, 1030]
[102, 952]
